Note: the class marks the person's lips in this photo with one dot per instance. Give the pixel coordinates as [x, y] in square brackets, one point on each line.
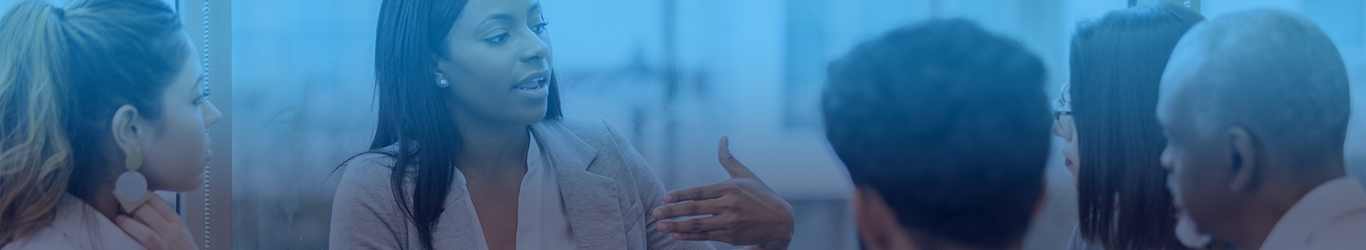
[534, 85]
[533, 81]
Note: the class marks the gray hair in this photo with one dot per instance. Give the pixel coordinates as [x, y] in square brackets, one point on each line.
[1273, 73]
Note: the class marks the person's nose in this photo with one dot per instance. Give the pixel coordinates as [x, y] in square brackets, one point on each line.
[535, 50]
[211, 114]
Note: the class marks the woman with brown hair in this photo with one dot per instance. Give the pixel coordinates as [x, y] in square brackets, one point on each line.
[101, 102]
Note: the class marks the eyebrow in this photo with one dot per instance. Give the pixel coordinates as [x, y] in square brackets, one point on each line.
[496, 17]
[198, 86]
[504, 16]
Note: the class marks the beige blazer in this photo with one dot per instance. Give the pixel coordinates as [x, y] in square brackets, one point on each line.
[607, 187]
[77, 225]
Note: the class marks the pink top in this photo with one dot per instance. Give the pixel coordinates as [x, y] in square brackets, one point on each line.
[1330, 217]
[77, 226]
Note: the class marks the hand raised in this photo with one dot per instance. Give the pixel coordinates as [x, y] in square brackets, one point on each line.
[744, 211]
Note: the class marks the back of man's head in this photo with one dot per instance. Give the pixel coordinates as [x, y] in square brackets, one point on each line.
[946, 123]
[1273, 73]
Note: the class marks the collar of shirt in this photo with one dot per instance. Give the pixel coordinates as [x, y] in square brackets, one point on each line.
[542, 221]
[1315, 221]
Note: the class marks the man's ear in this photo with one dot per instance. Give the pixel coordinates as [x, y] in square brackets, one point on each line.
[878, 225]
[1243, 160]
[1043, 197]
[129, 129]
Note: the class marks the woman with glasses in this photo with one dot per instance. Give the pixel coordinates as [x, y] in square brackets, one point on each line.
[1113, 141]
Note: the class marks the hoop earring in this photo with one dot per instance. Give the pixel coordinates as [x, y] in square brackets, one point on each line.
[131, 187]
[443, 83]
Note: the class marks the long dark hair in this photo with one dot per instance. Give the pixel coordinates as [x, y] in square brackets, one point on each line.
[63, 74]
[1116, 64]
[412, 109]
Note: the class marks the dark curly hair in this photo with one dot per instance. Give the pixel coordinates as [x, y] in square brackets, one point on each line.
[949, 124]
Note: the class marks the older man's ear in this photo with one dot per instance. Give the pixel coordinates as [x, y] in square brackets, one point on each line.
[1244, 159]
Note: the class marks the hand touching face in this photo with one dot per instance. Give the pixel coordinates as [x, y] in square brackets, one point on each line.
[156, 226]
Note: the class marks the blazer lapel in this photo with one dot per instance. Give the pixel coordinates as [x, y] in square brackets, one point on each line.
[468, 232]
[590, 199]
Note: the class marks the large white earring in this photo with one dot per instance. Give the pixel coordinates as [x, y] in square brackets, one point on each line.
[442, 83]
[131, 187]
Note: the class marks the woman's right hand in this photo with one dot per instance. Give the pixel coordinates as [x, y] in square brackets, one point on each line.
[157, 226]
[744, 210]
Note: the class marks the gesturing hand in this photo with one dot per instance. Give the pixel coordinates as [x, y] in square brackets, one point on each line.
[156, 226]
[744, 211]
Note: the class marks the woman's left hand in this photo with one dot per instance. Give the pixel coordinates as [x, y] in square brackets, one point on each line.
[157, 226]
[744, 211]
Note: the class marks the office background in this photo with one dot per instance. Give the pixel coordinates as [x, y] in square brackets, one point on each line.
[673, 75]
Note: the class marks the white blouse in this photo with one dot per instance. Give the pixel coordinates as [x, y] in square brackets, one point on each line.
[76, 226]
[542, 221]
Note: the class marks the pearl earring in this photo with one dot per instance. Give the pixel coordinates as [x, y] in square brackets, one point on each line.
[443, 83]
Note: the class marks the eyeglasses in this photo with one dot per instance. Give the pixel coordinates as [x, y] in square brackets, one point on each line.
[1061, 106]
